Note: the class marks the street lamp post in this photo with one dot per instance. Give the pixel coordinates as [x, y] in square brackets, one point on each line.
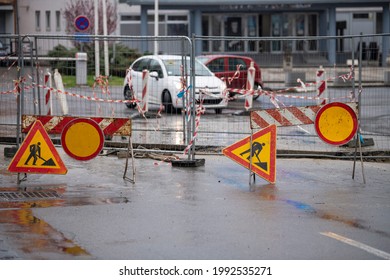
[155, 26]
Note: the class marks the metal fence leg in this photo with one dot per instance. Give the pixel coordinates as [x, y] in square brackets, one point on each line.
[361, 157]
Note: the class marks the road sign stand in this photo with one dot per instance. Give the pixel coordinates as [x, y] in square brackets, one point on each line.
[129, 150]
[251, 173]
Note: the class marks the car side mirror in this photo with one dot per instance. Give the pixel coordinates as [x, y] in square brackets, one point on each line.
[154, 74]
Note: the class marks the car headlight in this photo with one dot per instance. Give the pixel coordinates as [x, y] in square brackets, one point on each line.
[178, 86]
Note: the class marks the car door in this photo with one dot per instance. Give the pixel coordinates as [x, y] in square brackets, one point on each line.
[156, 81]
[136, 75]
[239, 81]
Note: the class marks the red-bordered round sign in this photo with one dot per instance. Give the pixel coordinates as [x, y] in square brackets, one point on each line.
[336, 123]
[82, 139]
[81, 23]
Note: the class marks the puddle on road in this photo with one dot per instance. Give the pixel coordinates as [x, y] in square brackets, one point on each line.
[37, 238]
[33, 236]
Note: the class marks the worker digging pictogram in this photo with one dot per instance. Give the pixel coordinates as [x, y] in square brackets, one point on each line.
[35, 154]
[255, 151]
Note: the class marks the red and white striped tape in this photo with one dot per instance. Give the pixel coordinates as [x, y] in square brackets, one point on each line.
[199, 111]
[243, 92]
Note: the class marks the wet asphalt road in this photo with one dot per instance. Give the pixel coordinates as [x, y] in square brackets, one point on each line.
[314, 211]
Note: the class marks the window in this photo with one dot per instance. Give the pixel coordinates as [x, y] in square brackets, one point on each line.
[234, 28]
[177, 29]
[156, 67]
[300, 31]
[58, 20]
[48, 21]
[130, 18]
[361, 16]
[233, 62]
[216, 22]
[38, 20]
[276, 31]
[216, 65]
[252, 31]
[312, 26]
[205, 32]
[161, 18]
[177, 25]
[177, 18]
[141, 65]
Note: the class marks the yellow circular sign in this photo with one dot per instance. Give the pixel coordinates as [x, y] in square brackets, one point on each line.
[82, 139]
[336, 123]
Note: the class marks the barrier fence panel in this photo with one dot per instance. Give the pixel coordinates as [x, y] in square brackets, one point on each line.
[300, 72]
[68, 75]
[58, 75]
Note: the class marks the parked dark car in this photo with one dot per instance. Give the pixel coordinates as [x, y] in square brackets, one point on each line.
[225, 66]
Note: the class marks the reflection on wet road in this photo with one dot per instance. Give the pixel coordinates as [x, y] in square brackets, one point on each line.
[37, 238]
[33, 236]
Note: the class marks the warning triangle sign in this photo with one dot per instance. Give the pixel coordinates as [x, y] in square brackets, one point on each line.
[259, 156]
[37, 154]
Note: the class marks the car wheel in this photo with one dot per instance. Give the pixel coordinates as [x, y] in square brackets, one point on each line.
[129, 95]
[167, 102]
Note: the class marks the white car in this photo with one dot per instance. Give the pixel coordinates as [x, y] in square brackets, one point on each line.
[164, 83]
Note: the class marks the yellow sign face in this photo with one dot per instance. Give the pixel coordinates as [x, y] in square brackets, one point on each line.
[37, 154]
[82, 139]
[336, 123]
[258, 155]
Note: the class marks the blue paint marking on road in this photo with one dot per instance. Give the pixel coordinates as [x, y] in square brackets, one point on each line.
[300, 205]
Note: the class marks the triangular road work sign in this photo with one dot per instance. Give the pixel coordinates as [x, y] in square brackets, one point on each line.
[262, 153]
[37, 154]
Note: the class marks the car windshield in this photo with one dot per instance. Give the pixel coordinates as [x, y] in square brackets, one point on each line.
[173, 68]
[202, 59]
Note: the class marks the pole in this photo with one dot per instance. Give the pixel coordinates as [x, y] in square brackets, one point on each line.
[97, 51]
[155, 26]
[105, 42]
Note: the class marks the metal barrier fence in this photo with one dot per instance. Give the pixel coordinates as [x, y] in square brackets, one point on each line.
[29, 76]
[289, 73]
[289, 69]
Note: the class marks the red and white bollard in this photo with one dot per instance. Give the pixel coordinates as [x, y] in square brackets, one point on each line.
[322, 87]
[48, 99]
[145, 90]
[61, 92]
[250, 84]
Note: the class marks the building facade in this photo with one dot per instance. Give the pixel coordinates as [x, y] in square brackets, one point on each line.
[248, 18]
[266, 19]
